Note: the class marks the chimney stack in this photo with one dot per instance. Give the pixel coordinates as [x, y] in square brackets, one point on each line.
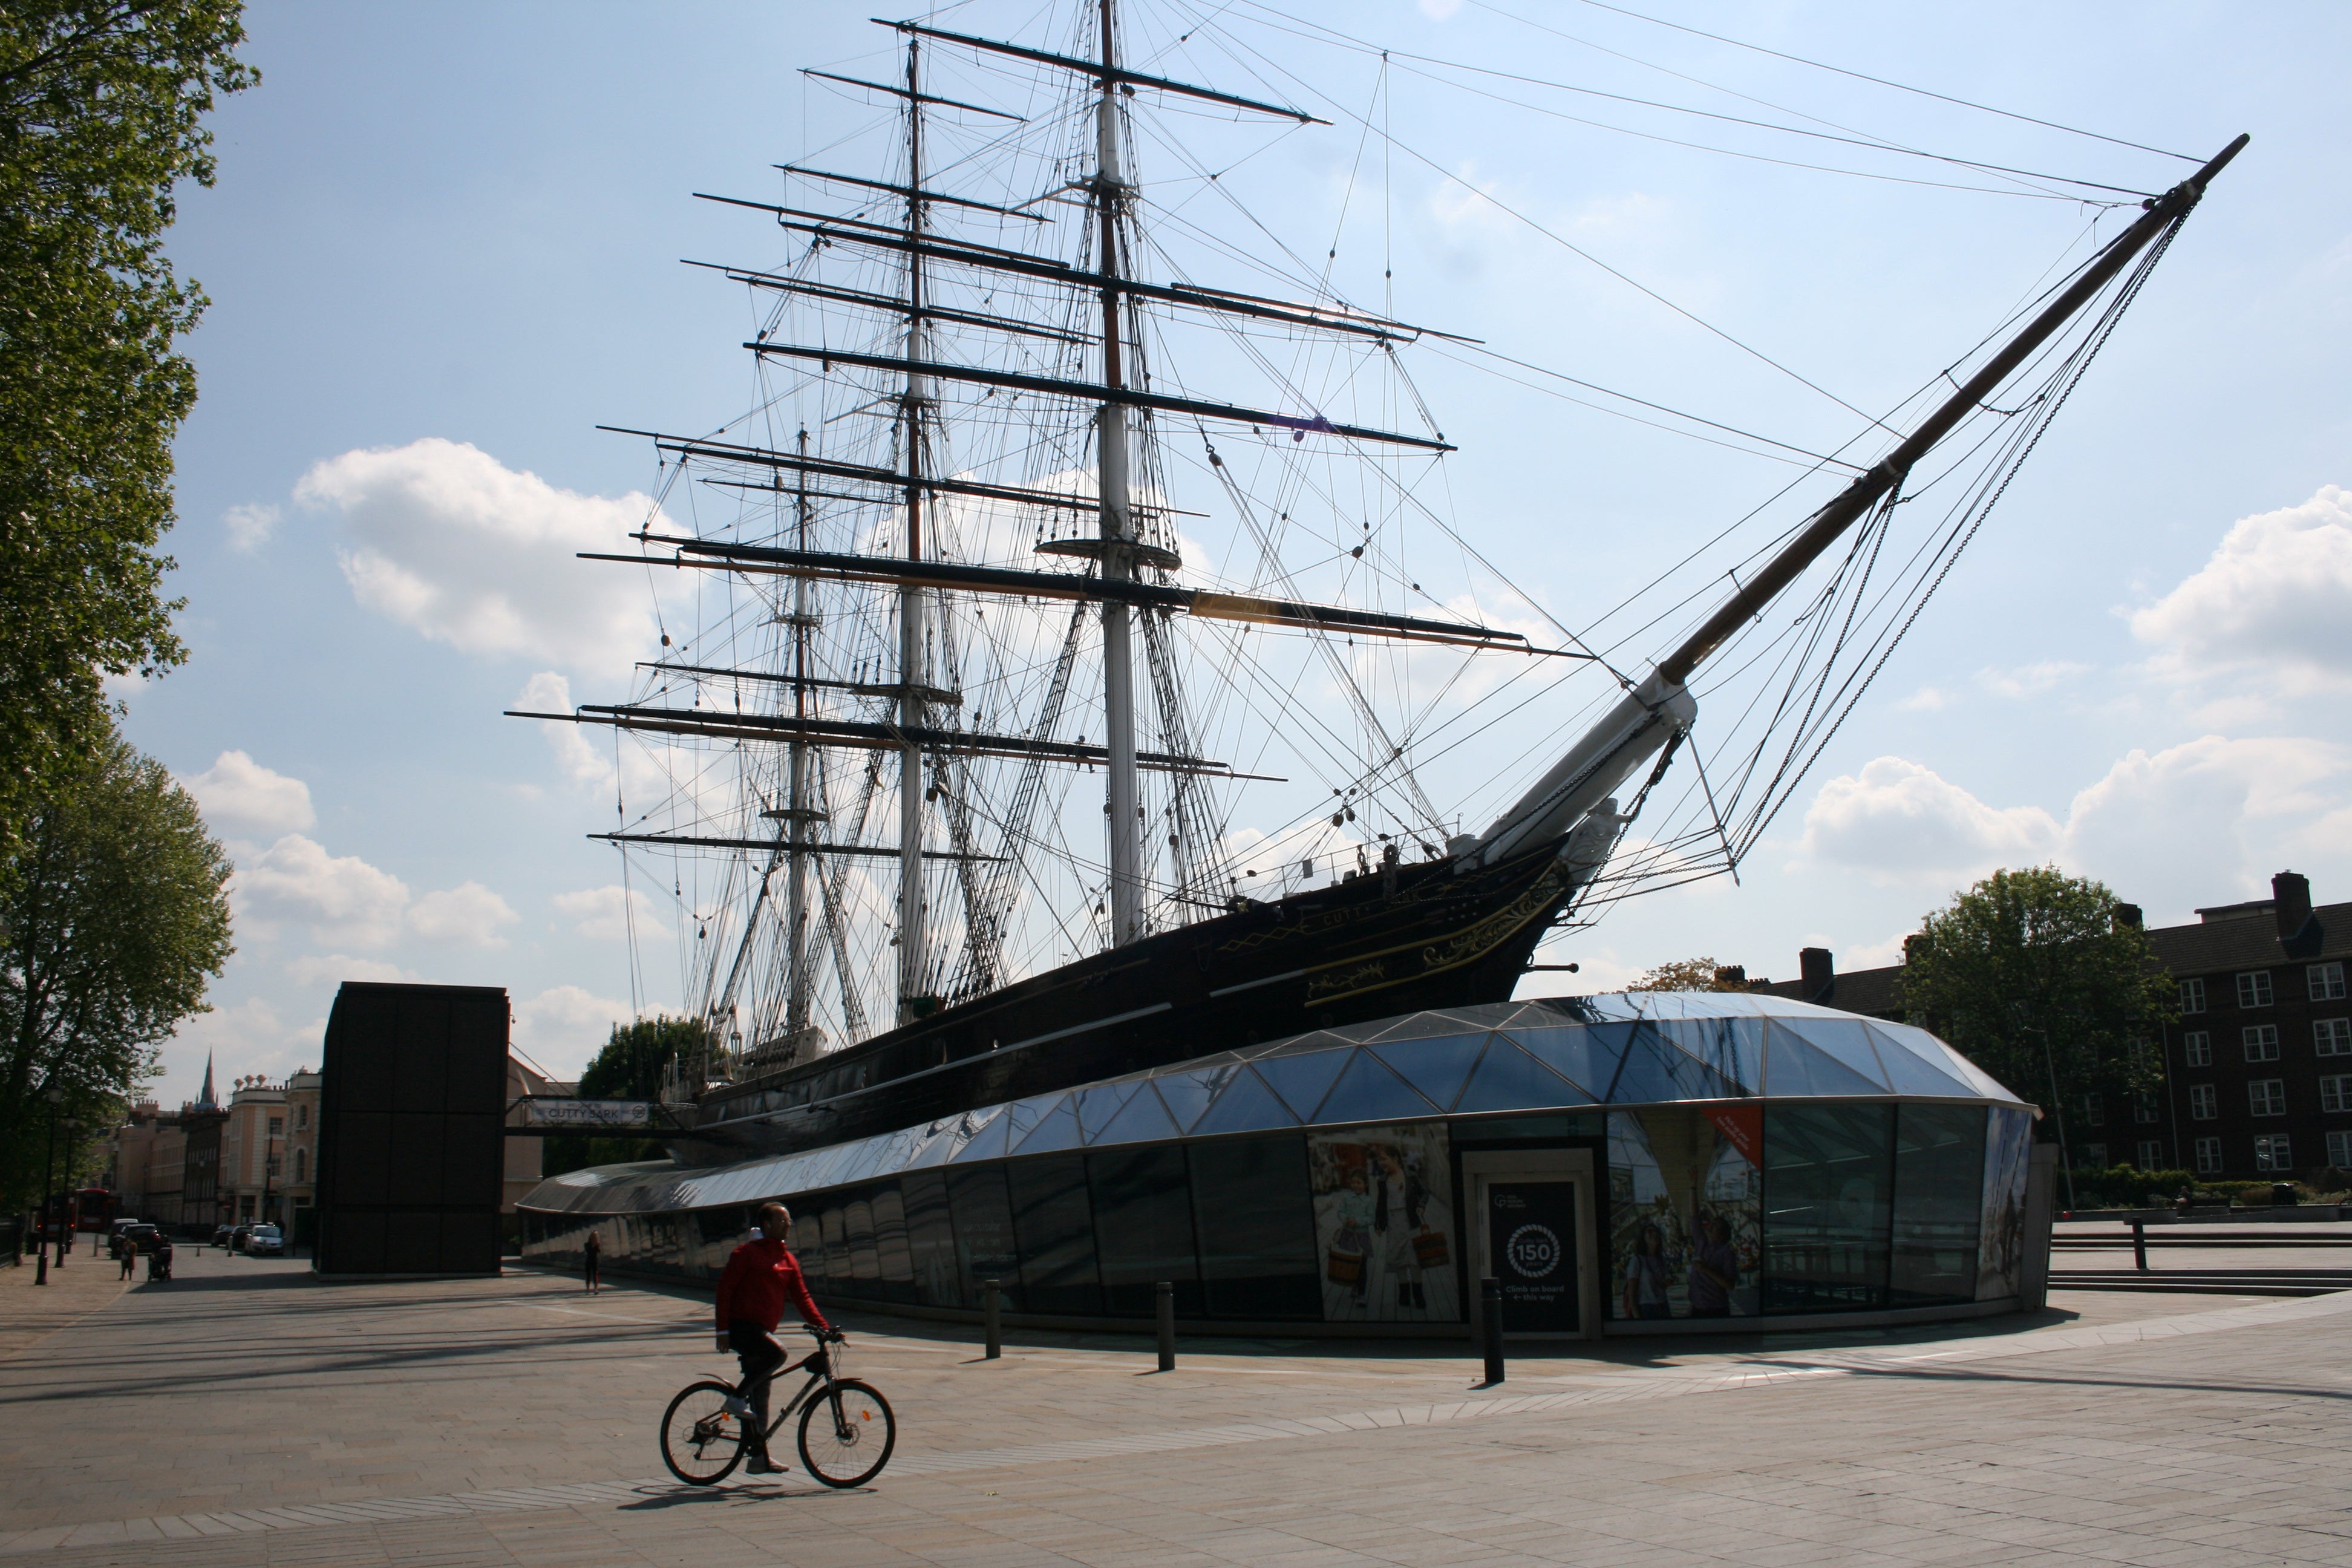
[1817, 974]
[2291, 903]
[2129, 915]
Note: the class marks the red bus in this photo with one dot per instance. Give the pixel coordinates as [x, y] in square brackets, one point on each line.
[94, 1209]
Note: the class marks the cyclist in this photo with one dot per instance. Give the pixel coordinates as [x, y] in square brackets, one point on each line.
[760, 1277]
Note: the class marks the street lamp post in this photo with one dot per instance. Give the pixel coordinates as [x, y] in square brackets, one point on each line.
[53, 1094]
[65, 1223]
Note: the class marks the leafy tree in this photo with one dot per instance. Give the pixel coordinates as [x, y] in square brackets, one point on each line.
[113, 920]
[1687, 974]
[628, 1068]
[2031, 976]
[101, 116]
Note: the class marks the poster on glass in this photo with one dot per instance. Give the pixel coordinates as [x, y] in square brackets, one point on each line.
[1384, 1231]
[2000, 1241]
[1685, 1210]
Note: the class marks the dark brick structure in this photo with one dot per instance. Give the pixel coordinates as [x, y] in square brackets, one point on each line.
[2257, 1065]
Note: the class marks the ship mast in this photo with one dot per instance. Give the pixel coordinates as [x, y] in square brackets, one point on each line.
[910, 595]
[1122, 809]
[796, 964]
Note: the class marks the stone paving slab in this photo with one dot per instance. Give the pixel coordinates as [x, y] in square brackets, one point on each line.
[31, 1313]
[253, 1416]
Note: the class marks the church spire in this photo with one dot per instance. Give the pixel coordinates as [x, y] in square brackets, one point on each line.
[205, 1099]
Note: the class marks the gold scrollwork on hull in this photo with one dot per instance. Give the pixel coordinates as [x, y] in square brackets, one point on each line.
[1361, 977]
[1357, 976]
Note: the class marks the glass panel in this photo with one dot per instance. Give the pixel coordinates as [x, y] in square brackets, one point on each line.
[1550, 1129]
[1910, 1071]
[1684, 1212]
[1947, 1059]
[1024, 1114]
[1257, 1231]
[1368, 1091]
[1051, 1217]
[1246, 1106]
[1421, 1027]
[834, 1233]
[1510, 1080]
[1939, 1152]
[982, 1212]
[1734, 1047]
[1585, 1055]
[864, 1263]
[1321, 1039]
[1302, 1080]
[1652, 1069]
[988, 1142]
[1793, 1069]
[1142, 1120]
[1438, 1066]
[1143, 1230]
[2000, 1241]
[1058, 1130]
[1384, 1224]
[1845, 1041]
[1188, 1094]
[930, 1239]
[891, 1243]
[1097, 1105]
[1828, 1176]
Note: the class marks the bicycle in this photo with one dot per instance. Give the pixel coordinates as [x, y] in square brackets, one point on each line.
[847, 1431]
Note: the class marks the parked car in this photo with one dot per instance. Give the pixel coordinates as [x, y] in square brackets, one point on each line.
[221, 1233]
[238, 1236]
[137, 1236]
[265, 1241]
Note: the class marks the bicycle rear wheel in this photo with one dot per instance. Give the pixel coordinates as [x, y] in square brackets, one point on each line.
[846, 1437]
[701, 1442]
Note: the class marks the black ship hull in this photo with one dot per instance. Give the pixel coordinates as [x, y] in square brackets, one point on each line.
[1386, 942]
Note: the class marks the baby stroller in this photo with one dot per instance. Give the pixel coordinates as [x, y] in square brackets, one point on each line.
[158, 1262]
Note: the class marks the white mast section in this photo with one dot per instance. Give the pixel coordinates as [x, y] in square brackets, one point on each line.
[1124, 809]
[796, 953]
[912, 937]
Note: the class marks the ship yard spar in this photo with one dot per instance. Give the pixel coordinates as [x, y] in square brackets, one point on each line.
[854, 591]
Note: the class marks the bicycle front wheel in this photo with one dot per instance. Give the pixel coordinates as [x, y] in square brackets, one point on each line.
[846, 1436]
[701, 1442]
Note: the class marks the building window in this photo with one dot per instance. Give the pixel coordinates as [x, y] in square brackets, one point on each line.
[2339, 1151]
[273, 1165]
[2255, 990]
[2094, 1155]
[2200, 1046]
[2143, 1106]
[2200, 1102]
[2326, 981]
[2262, 1042]
[301, 1165]
[277, 1127]
[2266, 1097]
[2151, 1155]
[2335, 1093]
[301, 1117]
[2095, 1110]
[2332, 1038]
[2271, 1152]
[2193, 996]
[2209, 1156]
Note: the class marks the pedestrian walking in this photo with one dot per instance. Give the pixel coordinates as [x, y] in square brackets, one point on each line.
[130, 1256]
[592, 1253]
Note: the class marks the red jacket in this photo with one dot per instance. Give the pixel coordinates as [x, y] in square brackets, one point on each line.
[760, 1277]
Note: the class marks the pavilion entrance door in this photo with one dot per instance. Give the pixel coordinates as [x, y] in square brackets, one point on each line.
[1533, 1225]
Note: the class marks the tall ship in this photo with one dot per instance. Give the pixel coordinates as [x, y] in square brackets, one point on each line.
[1052, 650]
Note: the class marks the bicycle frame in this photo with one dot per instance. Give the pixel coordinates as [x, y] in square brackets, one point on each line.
[819, 1367]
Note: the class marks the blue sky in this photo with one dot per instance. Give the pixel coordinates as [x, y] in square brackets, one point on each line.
[444, 248]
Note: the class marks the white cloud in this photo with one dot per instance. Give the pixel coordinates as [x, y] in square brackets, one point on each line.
[602, 914]
[239, 795]
[249, 526]
[2030, 679]
[563, 1028]
[248, 1037]
[450, 542]
[1439, 10]
[2207, 821]
[334, 968]
[1898, 821]
[468, 912]
[548, 693]
[1926, 699]
[343, 900]
[2277, 595]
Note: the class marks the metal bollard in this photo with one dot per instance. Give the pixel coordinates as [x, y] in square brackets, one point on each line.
[991, 1307]
[1168, 1325]
[2139, 1246]
[1490, 1313]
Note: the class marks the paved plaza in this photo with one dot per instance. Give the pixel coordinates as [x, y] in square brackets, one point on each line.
[244, 1414]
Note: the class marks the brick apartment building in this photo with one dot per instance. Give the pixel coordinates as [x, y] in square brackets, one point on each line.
[2257, 1064]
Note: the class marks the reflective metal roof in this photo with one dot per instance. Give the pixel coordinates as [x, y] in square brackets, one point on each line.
[1642, 1048]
